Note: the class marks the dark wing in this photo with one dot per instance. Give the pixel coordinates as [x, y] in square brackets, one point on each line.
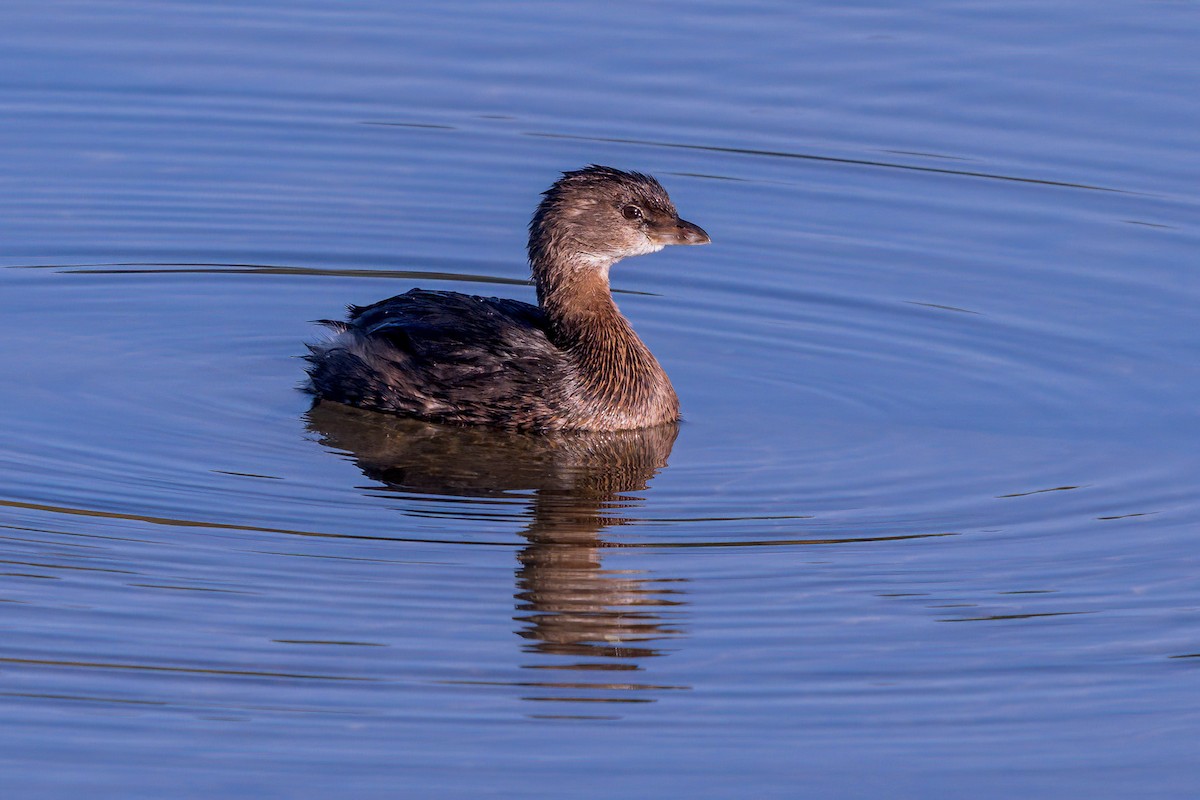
[444, 356]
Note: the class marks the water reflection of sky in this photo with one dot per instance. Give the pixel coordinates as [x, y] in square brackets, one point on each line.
[925, 530]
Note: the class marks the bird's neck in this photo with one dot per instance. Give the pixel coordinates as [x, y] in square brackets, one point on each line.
[578, 302]
[613, 363]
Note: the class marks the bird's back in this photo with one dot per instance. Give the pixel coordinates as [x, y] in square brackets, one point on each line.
[445, 356]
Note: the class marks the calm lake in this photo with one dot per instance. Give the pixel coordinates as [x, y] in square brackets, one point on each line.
[930, 526]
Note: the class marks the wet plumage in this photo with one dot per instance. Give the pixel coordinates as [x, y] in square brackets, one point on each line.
[570, 363]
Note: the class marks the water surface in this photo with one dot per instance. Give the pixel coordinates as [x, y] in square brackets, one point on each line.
[927, 529]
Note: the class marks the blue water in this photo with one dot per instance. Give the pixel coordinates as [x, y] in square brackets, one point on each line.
[928, 529]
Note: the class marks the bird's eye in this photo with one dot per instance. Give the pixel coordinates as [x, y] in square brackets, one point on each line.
[631, 212]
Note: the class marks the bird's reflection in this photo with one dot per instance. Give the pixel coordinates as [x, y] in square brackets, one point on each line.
[570, 608]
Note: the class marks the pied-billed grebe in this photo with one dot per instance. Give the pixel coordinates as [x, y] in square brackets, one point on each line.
[570, 363]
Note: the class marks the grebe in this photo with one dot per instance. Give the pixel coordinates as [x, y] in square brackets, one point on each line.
[572, 362]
